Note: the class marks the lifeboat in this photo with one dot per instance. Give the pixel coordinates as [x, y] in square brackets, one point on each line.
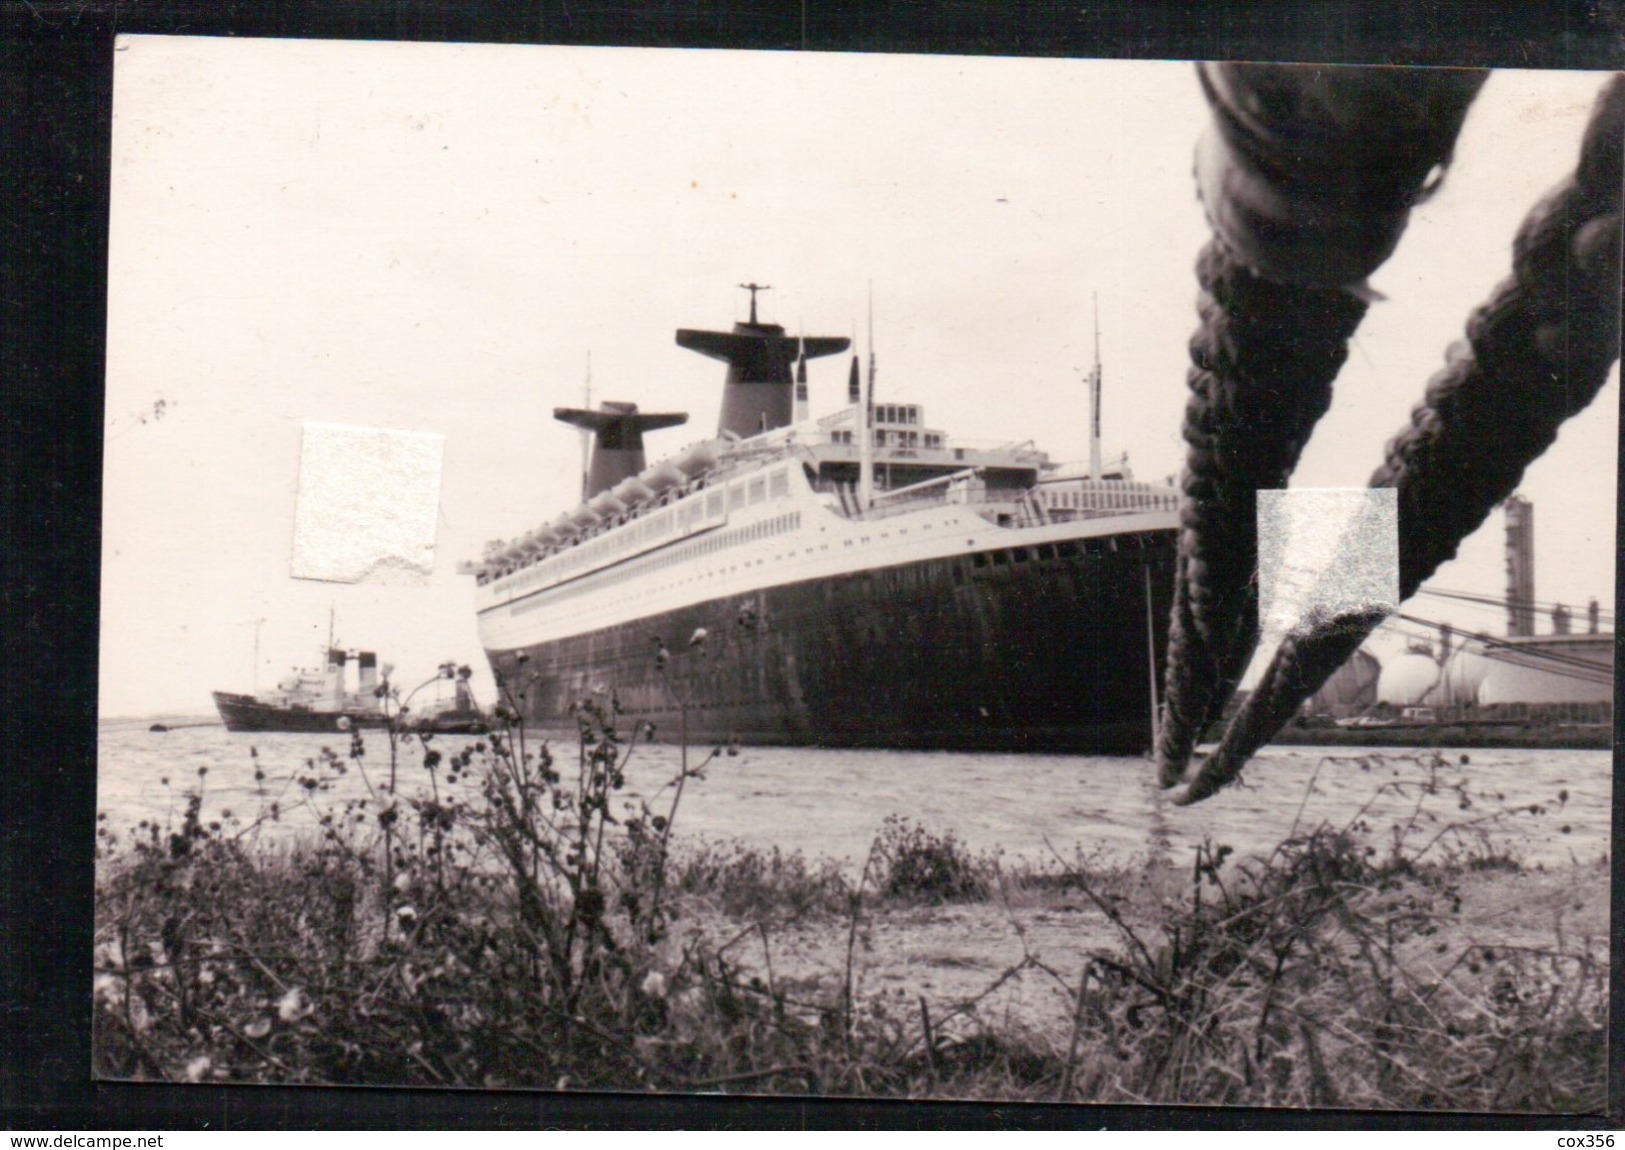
[584, 516]
[697, 459]
[662, 476]
[632, 491]
[606, 503]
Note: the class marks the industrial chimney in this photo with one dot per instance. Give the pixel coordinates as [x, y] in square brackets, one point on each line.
[1520, 549]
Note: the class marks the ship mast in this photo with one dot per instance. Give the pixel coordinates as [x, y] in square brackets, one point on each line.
[335, 671]
[865, 413]
[1151, 662]
[1094, 402]
[800, 412]
[586, 434]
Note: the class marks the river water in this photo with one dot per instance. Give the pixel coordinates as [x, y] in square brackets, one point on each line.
[831, 803]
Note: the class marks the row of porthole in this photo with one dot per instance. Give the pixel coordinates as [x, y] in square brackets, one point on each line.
[1066, 549]
[789, 522]
[1043, 552]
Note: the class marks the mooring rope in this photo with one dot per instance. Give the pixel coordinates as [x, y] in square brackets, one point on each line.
[1536, 353]
[1263, 362]
[1305, 199]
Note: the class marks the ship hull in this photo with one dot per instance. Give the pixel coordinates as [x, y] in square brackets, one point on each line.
[1034, 649]
[246, 713]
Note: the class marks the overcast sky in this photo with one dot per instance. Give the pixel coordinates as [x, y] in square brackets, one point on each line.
[434, 238]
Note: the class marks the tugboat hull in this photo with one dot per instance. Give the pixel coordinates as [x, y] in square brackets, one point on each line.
[246, 713]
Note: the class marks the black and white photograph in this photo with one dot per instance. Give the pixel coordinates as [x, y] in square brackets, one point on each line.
[856, 575]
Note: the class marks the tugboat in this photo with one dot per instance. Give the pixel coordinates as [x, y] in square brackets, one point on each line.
[458, 715]
[311, 699]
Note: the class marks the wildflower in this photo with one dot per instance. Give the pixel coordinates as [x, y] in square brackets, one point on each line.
[140, 1018]
[259, 1028]
[698, 638]
[198, 1068]
[407, 916]
[109, 989]
[292, 1006]
[654, 984]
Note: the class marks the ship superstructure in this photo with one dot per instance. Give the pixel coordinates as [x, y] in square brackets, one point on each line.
[311, 699]
[861, 579]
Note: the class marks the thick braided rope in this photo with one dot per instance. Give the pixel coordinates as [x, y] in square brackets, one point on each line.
[1262, 365]
[1305, 200]
[1536, 353]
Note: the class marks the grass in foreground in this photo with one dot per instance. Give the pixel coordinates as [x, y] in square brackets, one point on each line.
[523, 928]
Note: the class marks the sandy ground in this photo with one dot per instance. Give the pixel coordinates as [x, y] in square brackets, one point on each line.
[1017, 963]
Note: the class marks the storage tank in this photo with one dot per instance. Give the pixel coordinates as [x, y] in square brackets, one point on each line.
[1408, 679]
[1464, 674]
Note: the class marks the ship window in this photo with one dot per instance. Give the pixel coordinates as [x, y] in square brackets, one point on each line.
[780, 484]
[1020, 555]
[736, 497]
[1046, 551]
[758, 490]
[713, 503]
[1000, 558]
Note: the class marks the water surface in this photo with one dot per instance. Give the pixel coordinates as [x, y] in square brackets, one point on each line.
[831, 803]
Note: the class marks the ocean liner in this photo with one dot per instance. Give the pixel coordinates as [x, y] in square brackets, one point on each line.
[857, 580]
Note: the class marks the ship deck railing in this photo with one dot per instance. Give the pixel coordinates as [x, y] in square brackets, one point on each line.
[999, 505]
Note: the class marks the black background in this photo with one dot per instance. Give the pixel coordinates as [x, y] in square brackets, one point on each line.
[56, 62]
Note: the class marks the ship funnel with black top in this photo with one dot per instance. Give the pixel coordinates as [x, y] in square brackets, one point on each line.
[759, 392]
[617, 449]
